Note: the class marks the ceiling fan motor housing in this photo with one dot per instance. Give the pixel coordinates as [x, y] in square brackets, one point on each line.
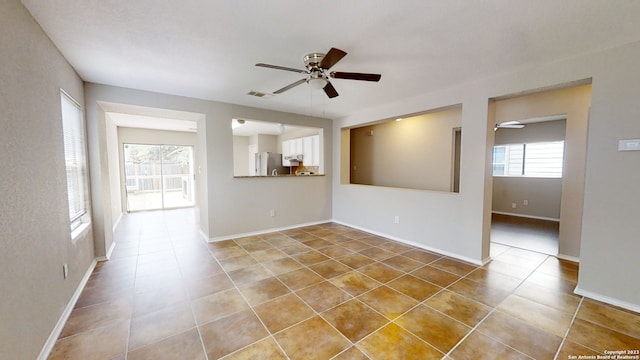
[313, 60]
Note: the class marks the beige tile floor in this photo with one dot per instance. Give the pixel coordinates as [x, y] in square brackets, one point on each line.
[328, 292]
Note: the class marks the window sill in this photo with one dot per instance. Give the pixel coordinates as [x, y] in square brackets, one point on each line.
[80, 231]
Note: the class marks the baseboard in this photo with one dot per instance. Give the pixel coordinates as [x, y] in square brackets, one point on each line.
[204, 236]
[265, 231]
[421, 246]
[108, 255]
[57, 330]
[607, 299]
[526, 216]
[117, 222]
[568, 258]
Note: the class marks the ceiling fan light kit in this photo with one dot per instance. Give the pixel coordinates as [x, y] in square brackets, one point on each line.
[508, 125]
[317, 71]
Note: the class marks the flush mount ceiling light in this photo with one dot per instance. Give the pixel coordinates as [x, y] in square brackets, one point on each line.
[317, 80]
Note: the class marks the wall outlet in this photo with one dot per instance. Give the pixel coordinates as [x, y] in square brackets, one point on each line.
[525, 202]
[65, 270]
[396, 219]
[272, 213]
[514, 205]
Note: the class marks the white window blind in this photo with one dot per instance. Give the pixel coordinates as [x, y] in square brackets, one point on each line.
[542, 159]
[75, 159]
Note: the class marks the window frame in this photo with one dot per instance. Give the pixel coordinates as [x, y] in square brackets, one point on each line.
[523, 160]
[76, 168]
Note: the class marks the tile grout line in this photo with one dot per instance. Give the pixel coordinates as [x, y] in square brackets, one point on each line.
[566, 334]
[250, 307]
[325, 279]
[190, 299]
[475, 328]
[133, 291]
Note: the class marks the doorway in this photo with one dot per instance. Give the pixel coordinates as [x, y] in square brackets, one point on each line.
[158, 176]
[536, 202]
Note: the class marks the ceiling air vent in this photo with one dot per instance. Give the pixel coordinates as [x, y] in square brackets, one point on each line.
[259, 94]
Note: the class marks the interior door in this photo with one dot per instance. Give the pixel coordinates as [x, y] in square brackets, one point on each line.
[158, 176]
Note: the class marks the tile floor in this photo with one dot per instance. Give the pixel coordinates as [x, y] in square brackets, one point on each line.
[328, 292]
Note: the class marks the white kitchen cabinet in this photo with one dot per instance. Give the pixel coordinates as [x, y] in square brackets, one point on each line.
[311, 151]
[308, 146]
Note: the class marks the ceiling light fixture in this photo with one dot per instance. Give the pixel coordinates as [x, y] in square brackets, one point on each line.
[399, 119]
[317, 80]
[236, 123]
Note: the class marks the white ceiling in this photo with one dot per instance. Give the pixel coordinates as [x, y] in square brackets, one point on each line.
[208, 48]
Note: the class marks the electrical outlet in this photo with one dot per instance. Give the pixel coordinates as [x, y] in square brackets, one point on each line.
[65, 270]
[514, 205]
[396, 219]
[525, 202]
[272, 213]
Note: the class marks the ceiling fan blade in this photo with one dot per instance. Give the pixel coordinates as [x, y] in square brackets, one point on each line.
[331, 58]
[330, 90]
[292, 85]
[277, 67]
[355, 76]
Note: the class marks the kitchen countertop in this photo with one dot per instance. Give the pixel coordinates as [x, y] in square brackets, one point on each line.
[277, 176]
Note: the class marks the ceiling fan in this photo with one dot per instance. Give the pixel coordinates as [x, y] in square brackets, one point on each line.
[508, 125]
[317, 71]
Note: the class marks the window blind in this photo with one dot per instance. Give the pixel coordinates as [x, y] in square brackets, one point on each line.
[75, 158]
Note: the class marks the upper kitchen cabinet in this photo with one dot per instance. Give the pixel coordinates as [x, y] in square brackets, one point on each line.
[308, 147]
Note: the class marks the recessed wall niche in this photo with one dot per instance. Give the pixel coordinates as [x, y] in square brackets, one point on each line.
[415, 152]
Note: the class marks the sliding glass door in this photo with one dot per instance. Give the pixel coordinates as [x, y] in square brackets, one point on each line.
[158, 176]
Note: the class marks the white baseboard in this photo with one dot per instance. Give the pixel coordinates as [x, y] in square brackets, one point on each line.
[607, 299]
[204, 236]
[568, 258]
[526, 216]
[117, 222]
[108, 255]
[57, 330]
[265, 231]
[422, 246]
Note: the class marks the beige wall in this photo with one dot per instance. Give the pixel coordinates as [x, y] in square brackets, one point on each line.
[415, 153]
[575, 103]
[241, 156]
[34, 224]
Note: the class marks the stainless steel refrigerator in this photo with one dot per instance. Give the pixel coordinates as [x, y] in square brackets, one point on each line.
[270, 164]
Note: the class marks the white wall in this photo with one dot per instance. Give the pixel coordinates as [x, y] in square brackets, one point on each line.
[233, 205]
[35, 238]
[459, 223]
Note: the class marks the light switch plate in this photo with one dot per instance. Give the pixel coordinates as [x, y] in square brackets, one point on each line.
[629, 145]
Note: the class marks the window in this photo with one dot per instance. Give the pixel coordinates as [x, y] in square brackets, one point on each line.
[542, 159]
[75, 160]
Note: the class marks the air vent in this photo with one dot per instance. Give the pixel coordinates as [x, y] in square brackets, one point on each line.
[259, 94]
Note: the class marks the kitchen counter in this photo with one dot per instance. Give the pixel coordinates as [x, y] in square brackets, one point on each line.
[277, 176]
